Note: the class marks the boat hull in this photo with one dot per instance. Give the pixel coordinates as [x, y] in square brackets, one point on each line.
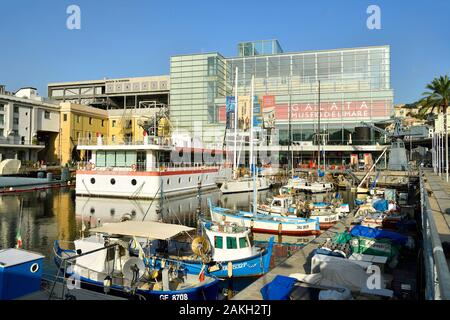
[281, 226]
[250, 267]
[143, 185]
[244, 185]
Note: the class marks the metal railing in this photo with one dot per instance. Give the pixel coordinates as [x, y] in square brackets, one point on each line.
[160, 166]
[152, 140]
[437, 275]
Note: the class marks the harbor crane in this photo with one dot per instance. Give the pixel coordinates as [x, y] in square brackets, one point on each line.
[397, 154]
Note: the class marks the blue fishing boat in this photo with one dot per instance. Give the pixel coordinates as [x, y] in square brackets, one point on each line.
[106, 262]
[226, 250]
[262, 223]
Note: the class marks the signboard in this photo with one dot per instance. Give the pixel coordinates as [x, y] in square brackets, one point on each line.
[244, 112]
[349, 110]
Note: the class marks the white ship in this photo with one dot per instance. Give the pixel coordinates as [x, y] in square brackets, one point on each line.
[144, 169]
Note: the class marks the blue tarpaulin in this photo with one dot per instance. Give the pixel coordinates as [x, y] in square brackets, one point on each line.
[381, 205]
[320, 173]
[361, 231]
[278, 289]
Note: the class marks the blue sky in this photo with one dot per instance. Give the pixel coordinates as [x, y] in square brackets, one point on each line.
[137, 37]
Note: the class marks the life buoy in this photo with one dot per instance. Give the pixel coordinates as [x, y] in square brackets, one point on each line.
[89, 166]
[92, 166]
[133, 167]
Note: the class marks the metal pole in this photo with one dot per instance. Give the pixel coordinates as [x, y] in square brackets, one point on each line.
[290, 163]
[251, 124]
[235, 160]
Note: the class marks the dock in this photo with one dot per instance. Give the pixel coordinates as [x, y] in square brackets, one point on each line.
[299, 262]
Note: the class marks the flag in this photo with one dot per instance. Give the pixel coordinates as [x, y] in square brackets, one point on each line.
[18, 241]
[201, 276]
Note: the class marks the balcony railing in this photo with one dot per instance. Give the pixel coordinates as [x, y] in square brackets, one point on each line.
[19, 141]
[150, 140]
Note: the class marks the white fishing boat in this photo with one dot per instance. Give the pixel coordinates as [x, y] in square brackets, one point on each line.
[144, 169]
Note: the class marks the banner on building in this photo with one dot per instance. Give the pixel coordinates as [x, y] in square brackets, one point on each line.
[268, 111]
[244, 112]
[230, 111]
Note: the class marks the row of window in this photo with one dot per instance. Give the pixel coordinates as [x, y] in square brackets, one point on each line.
[134, 181]
[91, 120]
[231, 242]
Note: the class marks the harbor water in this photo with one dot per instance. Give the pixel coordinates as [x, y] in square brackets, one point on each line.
[39, 218]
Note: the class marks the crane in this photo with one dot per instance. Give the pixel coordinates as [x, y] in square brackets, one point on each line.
[397, 154]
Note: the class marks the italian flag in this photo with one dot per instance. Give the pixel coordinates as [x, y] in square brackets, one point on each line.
[18, 240]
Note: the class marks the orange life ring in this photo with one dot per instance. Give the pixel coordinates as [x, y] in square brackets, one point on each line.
[133, 167]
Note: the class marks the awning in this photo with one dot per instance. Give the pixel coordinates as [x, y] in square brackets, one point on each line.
[143, 229]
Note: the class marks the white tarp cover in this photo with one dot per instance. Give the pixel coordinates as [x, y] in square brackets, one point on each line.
[339, 274]
[144, 229]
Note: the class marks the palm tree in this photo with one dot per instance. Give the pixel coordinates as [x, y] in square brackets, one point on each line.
[438, 97]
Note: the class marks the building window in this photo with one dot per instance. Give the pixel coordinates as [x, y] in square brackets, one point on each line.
[113, 138]
[47, 115]
[90, 120]
[65, 117]
[103, 123]
[114, 123]
[78, 119]
[16, 109]
[2, 107]
[16, 121]
[2, 119]
[2, 132]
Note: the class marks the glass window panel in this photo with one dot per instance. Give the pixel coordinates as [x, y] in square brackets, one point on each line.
[110, 159]
[243, 242]
[231, 243]
[218, 242]
[100, 159]
[131, 158]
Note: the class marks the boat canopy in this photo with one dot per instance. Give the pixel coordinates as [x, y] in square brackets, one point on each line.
[143, 229]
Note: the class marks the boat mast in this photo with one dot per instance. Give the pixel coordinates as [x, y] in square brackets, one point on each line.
[253, 161]
[251, 125]
[235, 124]
[318, 132]
[291, 167]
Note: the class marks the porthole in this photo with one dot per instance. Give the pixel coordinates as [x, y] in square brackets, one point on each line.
[179, 180]
[113, 181]
[112, 211]
[133, 182]
[168, 180]
[92, 180]
[34, 268]
[133, 212]
[190, 179]
[92, 210]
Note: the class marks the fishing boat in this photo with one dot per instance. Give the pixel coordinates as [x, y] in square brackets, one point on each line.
[266, 223]
[327, 213]
[225, 250]
[107, 261]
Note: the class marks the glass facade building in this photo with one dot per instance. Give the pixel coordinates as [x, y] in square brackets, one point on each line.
[355, 86]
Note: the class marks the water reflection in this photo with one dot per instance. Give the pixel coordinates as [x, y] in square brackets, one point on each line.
[56, 214]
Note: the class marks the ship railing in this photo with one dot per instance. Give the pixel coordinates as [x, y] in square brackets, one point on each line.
[140, 167]
[437, 275]
[149, 140]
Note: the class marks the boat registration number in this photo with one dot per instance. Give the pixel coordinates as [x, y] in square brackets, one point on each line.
[181, 296]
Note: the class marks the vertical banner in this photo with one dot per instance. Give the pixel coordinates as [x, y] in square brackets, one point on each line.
[268, 111]
[244, 112]
[230, 111]
[257, 115]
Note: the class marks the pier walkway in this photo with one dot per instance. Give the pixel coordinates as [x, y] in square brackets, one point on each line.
[439, 191]
[300, 262]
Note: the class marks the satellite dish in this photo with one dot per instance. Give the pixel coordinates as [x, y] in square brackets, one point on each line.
[131, 267]
[200, 246]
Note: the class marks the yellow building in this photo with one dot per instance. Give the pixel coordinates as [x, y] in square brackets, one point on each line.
[124, 124]
[79, 124]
